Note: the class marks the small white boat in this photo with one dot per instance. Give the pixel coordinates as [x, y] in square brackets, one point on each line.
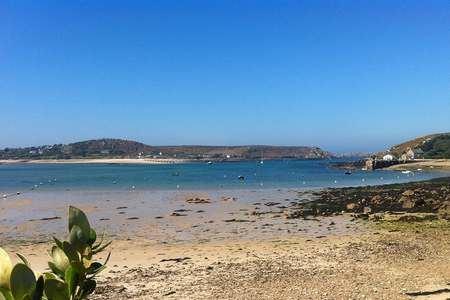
[406, 172]
[209, 162]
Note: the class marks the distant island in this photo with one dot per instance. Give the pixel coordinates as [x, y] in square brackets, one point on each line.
[106, 150]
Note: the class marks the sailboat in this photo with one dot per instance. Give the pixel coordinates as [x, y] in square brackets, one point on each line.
[262, 158]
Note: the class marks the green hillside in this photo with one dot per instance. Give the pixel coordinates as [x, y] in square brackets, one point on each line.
[438, 147]
[117, 148]
[433, 146]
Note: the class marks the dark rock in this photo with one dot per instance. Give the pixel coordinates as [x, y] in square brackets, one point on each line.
[271, 203]
[198, 200]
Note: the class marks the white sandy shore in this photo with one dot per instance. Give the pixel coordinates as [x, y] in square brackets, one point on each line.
[436, 164]
[98, 161]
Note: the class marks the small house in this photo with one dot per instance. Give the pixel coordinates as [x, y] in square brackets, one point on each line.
[388, 157]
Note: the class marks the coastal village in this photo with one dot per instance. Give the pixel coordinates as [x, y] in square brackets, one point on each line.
[389, 159]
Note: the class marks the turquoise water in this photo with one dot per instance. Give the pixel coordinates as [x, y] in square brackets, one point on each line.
[193, 176]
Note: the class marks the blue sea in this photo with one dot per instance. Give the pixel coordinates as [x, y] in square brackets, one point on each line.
[149, 194]
[299, 174]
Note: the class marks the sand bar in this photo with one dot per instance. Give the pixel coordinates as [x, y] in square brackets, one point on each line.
[98, 161]
[424, 164]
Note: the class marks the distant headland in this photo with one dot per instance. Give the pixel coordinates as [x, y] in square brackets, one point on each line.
[126, 151]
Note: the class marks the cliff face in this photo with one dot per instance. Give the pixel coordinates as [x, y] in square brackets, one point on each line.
[117, 148]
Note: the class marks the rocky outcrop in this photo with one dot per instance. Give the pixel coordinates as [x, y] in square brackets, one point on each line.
[371, 202]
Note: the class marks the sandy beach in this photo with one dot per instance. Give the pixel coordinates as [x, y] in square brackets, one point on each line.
[97, 161]
[377, 263]
[224, 248]
[424, 164]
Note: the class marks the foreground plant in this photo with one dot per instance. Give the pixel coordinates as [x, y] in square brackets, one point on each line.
[72, 265]
[19, 282]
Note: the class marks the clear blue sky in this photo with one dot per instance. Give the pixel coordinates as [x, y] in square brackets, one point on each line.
[342, 75]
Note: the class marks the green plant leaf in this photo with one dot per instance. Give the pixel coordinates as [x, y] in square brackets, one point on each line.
[71, 278]
[77, 217]
[5, 294]
[55, 270]
[107, 258]
[55, 290]
[5, 269]
[23, 281]
[92, 237]
[60, 260]
[39, 291]
[98, 250]
[70, 252]
[87, 253]
[22, 258]
[58, 242]
[49, 276]
[99, 243]
[88, 288]
[95, 268]
[77, 238]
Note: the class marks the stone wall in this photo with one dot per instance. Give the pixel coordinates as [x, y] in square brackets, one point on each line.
[373, 164]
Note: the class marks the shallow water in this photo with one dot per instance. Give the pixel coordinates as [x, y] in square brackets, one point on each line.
[193, 176]
[139, 200]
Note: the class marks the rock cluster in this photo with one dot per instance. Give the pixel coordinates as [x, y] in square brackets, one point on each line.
[431, 196]
[198, 200]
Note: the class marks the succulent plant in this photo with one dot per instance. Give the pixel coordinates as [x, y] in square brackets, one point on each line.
[5, 269]
[72, 265]
[73, 270]
[19, 282]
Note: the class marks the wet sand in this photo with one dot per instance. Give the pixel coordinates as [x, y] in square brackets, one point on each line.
[240, 245]
[374, 263]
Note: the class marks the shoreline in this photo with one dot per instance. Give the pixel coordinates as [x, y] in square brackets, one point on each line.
[424, 164]
[97, 161]
[227, 248]
[376, 261]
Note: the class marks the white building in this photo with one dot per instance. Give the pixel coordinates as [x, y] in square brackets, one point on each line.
[388, 157]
